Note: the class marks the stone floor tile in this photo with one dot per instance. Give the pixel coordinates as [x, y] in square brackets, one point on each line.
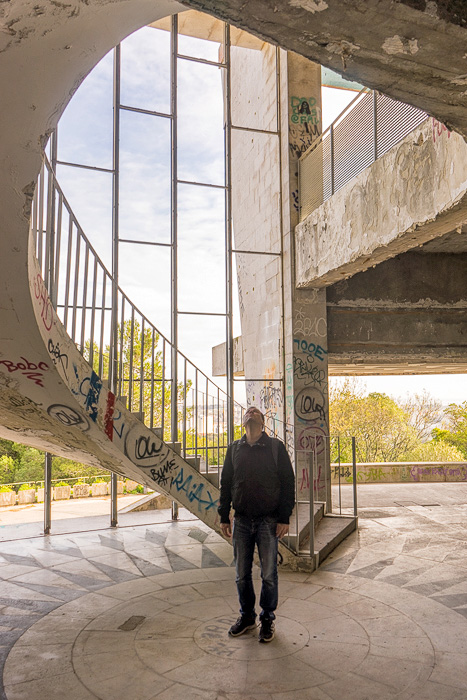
[185, 594]
[211, 674]
[419, 649]
[178, 691]
[282, 675]
[53, 628]
[145, 606]
[303, 591]
[66, 685]
[305, 610]
[91, 642]
[133, 682]
[201, 609]
[88, 606]
[433, 691]
[450, 668]
[211, 589]
[333, 658]
[352, 686]
[162, 655]
[11, 591]
[314, 693]
[122, 591]
[332, 597]
[170, 624]
[28, 663]
[343, 630]
[9, 571]
[180, 578]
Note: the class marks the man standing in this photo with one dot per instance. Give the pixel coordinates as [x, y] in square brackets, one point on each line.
[258, 481]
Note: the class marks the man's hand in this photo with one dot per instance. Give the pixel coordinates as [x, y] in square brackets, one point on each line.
[281, 530]
[226, 529]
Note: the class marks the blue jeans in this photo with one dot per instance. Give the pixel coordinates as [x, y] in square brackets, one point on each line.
[246, 533]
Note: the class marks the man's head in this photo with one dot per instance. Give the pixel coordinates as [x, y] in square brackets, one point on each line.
[253, 416]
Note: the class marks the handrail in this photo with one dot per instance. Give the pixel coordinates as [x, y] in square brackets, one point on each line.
[80, 288]
[366, 129]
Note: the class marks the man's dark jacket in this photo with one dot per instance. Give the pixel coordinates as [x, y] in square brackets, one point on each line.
[255, 483]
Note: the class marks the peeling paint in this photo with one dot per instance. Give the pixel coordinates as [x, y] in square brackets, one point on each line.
[310, 5]
[400, 44]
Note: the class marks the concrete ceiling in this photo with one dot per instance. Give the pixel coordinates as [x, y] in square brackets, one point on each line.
[413, 50]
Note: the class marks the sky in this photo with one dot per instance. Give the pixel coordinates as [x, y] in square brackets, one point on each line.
[85, 136]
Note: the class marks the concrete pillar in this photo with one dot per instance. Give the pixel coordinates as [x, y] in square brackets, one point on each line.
[305, 325]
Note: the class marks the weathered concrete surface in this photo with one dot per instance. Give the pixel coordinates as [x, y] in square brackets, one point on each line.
[412, 50]
[415, 192]
[406, 316]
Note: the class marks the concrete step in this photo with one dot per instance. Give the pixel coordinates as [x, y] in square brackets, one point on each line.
[329, 533]
[303, 522]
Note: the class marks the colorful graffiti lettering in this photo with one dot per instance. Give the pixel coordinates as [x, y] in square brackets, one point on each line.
[28, 369]
[194, 491]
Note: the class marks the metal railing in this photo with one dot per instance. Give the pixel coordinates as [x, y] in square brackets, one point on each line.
[367, 128]
[81, 290]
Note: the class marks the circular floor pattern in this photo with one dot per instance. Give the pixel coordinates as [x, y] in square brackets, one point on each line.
[167, 638]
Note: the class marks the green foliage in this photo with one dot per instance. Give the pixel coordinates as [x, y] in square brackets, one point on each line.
[138, 489]
[434, 451]
[61, 483]
[5, 489]
[7, 469]
[26, 487]
[455, 430]
[380, 426]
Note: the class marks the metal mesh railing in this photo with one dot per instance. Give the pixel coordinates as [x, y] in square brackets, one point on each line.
[81, 290]
[369, 127]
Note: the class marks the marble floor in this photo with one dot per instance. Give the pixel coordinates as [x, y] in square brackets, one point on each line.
[142, 612]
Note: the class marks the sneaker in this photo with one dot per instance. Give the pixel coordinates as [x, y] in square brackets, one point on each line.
[242, 625]
[266, 632]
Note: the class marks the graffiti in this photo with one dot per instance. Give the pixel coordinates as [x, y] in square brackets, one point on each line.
[310, 405]
[214, 638]
[68, 416]
[164, 474]
[341, 472]
[318, 482]
[145, 451]
[305, 370]
[438, 129]
[270, 396]
[459, 472]
[311, 348]
[117, 417]
[194, 491]
[28, 369]
[313, 439]
[295, 200]
[310, 326]
[90, 388]
[108, 417]
[304, 110]
[40, 292]
[289, 390]
[58, 356]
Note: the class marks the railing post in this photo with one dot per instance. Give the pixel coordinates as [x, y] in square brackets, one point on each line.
[375, 125]
[47, 493]
[113, 500]
[331, 143]
[354, 477]
[312, 504]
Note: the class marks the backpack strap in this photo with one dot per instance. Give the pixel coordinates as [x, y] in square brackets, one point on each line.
[275, 450]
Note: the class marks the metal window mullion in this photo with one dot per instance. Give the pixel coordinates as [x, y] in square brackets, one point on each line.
[228, 237]
[184, 406]
[121, 377]
[113, 349]
[174, 236]
[196, 414]
[40, 226]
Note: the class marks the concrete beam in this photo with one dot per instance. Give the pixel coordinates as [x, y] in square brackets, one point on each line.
[414, 193]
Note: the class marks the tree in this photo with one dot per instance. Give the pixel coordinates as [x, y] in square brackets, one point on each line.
[424, 413]
[433, 451]
[382, 428]
[142, 371]
[455, 430]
